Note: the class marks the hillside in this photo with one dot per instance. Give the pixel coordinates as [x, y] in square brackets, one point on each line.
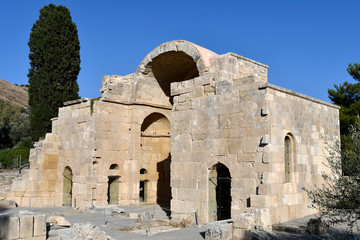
[14, 95]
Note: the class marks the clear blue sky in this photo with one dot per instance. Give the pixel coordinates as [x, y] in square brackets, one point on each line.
[308, 44]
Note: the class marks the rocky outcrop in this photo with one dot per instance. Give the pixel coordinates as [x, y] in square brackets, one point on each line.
[79, 232]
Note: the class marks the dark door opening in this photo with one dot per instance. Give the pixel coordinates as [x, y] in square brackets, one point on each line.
[219, 193]
[113, 190]
[143, 191]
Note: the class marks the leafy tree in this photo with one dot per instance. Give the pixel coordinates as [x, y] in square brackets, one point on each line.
[10, 118]
[19, 129]
[338, 199]
[55, 64]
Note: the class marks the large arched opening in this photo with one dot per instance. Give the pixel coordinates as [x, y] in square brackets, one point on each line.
[67, 186]
[155, 160]
[219, 193]
[173, 67]
[176, 61]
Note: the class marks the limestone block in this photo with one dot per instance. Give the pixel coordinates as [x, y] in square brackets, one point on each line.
[209, 90]
[262, 217]
[240, 234]
[203, 80]
[26, 226]
[250, 144]
[181, 89]
[199, 92]
[262, 201]
[244, 220]
[50, 161]
[219, 230]
[247, 183]
[175, 182]
[289, 187]
[57, 220]
[245, 170]
[236, 145]
[245, 157]
[39, 225]
[223, 87]
[273, 177]
[9, 227]
[267, 189]
[7, 204]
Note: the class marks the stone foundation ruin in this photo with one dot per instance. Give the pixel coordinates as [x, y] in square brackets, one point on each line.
[190, 130]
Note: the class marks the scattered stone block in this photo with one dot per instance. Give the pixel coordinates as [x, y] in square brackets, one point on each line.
[7, 204]
[26, 226]
[9, 227]
[39, 225]
[57, 220]
[219, 230]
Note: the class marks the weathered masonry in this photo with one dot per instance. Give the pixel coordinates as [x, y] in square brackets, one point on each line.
[189, 130]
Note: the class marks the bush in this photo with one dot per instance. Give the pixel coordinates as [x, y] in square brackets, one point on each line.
[8, 156]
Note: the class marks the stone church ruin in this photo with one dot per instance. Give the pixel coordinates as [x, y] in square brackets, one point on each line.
[190, 130]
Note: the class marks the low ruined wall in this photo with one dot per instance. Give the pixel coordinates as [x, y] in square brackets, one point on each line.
[23, 226]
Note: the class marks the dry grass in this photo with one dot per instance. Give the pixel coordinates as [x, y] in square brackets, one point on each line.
[14, 95]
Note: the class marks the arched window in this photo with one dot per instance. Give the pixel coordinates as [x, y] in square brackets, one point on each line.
[288, 157]
[114, 167]
[143, 171]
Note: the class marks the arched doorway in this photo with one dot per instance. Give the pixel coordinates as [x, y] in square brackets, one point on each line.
[155, 160]
[67, 187]
[113, 187]
[219, 193]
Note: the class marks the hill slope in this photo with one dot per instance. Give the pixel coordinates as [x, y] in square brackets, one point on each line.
[13, 95]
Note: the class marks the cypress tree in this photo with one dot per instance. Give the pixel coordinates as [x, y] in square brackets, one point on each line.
[54, 66]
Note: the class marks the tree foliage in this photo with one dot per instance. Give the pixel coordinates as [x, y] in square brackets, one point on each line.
[55, 64]
[9, 157]
[14, 124]
[347, 96]
[338, 200]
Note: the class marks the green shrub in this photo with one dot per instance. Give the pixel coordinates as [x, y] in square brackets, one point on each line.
[7, 156]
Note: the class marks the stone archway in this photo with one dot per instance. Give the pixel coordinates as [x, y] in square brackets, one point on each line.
[67, 187]
[176, 61]
[219, 193]
[155, 158]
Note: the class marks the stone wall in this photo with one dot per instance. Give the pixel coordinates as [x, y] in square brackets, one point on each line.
[218, 120]
[6, 179]
[306, 121]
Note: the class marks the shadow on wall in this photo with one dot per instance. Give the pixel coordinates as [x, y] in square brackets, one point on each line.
[163, 195]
